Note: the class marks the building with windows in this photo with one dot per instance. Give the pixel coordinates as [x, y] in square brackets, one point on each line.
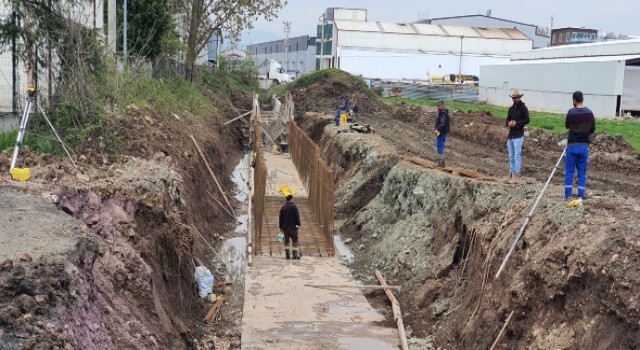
[394, 51]
[486, 21]
[608, 74]
[568, 36]
[301, 56]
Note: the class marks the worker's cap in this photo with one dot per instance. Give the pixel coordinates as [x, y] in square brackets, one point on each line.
[516, 93]
[289, 197]
[440, 103]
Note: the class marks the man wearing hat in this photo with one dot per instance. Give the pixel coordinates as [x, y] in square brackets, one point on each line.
[289, 222]
[517, 118]
[441, 130]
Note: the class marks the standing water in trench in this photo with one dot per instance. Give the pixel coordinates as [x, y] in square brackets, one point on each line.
[233, 250]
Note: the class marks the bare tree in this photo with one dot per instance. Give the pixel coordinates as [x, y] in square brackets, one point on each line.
[202, 18]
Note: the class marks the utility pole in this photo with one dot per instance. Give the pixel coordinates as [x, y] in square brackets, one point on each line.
[321, 67]
[550, 32]
[287, 43]
[111, 24]
[124, 35]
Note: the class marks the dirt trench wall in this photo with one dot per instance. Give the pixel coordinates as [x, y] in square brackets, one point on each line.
[570, 283]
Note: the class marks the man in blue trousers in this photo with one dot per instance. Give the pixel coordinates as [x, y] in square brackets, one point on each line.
[441, 130]
[581, 124]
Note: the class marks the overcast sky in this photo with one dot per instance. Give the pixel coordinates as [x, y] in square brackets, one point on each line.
[618, 16]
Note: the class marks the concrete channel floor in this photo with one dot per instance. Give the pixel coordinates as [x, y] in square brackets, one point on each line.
[282, 311]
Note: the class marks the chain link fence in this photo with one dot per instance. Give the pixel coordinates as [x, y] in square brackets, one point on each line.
[462, 93]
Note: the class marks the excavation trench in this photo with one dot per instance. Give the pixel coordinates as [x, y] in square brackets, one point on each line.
[443, 234]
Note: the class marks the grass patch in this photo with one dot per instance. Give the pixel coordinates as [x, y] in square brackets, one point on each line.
[165, 96]
[37, 143]
[554, 122]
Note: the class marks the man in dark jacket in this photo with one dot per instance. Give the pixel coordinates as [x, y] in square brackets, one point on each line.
[441, 130]
[289, 222]
[581, 124]
[517, 118]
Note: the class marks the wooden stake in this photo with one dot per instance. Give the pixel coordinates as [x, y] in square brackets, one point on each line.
[501, 331]
[215, 179]
[221, 205]
[397, 315]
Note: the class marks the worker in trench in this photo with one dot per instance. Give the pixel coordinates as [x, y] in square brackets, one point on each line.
[517, 118]
[441, 130]
[289, 222]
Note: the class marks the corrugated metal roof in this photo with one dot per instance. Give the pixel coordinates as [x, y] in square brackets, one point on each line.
[572, 60]
[397, 28]
[359, 26]
[428, 29]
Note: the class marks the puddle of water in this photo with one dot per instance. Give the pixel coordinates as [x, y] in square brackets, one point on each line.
[343, 310]
[364, 343]
[239, 177]
[243, 221]
[343, 250]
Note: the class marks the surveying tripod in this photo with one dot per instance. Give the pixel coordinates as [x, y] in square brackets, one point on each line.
[31, 101]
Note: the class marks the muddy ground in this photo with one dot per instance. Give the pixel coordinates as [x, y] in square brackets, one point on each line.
[572, 282]
[103, 257]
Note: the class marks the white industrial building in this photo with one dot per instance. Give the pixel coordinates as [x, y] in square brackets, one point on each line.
[608, 74]
[348, 41]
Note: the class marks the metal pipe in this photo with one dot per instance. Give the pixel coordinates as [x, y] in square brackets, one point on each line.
[526, 221]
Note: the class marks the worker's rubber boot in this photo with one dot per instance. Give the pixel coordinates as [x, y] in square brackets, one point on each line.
[286, 254]
[442, 161]
[295, 255]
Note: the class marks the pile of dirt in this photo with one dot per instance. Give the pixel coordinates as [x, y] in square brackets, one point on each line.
[442, 236]
[144, 218]
[327, 87]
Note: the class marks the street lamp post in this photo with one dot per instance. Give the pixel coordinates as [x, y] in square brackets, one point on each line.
[460, 65]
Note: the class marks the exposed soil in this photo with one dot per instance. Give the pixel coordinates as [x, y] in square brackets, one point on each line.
[572, 281]
[113, 246]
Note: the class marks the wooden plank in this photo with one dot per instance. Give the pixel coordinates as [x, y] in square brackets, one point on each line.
[397, 315]
[236, 118]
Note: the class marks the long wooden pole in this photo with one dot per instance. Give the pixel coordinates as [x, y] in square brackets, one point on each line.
[215, 179]
[495, 342]
[397, 315]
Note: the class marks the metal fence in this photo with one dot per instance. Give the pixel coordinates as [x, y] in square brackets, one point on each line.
[315, 174]
[259, 172]
[463, 93]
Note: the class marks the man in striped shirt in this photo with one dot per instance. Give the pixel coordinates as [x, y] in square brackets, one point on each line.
[581, 124]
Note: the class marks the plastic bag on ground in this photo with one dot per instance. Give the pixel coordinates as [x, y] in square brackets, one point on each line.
[204, 281]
